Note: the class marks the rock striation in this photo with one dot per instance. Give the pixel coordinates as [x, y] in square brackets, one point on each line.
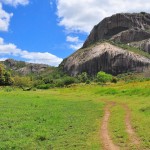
[98, 54]
[136, 24]
[105, 57]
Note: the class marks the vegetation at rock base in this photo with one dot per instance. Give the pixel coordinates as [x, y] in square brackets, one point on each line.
[103, 77]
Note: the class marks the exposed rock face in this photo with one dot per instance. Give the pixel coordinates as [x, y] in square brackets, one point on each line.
[24, 68]
[131, 29]
[106, 57]
[131, 35]
[115, 24]
[143, 45]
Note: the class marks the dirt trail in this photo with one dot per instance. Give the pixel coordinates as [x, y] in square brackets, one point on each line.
[133, 138]
[107, 141]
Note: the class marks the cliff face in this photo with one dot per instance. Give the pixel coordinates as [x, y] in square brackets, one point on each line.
[97, 55]
[105, 57]
[111, 26]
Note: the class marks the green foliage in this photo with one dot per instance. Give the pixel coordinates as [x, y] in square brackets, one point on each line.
[87, 81]
[68, 80]
[83, 77]
[59, 83]
[103, 77]
[8, 89]
[23, 81]
[45, 86]
[65, 81]
[5, 76]
[114, 80]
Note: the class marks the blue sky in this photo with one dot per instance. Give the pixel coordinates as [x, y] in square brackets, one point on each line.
[48, 31]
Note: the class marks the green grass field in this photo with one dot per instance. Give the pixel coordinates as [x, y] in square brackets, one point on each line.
[70, 118]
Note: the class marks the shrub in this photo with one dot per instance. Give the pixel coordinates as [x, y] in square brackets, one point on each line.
[44, 86]
[5, 76]
[22, 81]
[83, 77]
[114, 80]
[59, 83]
[87, 81]
[103, 77]
[68, 80]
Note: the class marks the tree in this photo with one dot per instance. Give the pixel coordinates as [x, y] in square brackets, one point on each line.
[23, 81]
[5, 76]
[103, 77]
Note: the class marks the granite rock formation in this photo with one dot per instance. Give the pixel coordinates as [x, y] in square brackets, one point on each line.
[143, 45]
[98, 54]
[105, 57]
[136, 23]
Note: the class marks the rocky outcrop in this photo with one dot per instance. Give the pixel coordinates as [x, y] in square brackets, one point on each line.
[118, 23]
[131, 35]
[24, 68]
[97, 54]
[143, 45]
[105, 57]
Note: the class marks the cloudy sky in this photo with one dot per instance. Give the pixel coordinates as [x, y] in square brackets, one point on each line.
[49, 30]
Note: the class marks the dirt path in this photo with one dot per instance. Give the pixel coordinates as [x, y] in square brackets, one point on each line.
[133, 138]
[107, 141]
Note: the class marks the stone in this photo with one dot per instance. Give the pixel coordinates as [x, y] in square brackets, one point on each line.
[104, 57]
[117, 23]
[97, 54]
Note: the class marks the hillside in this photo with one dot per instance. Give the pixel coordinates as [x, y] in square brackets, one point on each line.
[118, 44]
[24, 68]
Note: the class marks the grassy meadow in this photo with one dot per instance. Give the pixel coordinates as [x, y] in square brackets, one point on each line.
[70, 118]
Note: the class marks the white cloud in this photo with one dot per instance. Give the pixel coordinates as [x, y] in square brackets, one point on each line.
[1, 41]
[5, 16]
[4, 19]
[82, 15]
[76, 46]
[72, 39]
[76, 43]
[15, 2]
[10, 49]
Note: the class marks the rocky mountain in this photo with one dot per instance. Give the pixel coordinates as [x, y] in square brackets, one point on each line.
[24, 68]
[118, 44]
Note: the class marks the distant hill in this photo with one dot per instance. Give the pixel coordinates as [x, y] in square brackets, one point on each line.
[118, 44]
[24, 68]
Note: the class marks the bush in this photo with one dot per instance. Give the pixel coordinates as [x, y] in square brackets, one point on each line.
[5, 76]
[59, 83]
[87, 81]
[45, 86]
[103, 77]
[23, 81]
[114, 80]
[68, 80]
[83, 77]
